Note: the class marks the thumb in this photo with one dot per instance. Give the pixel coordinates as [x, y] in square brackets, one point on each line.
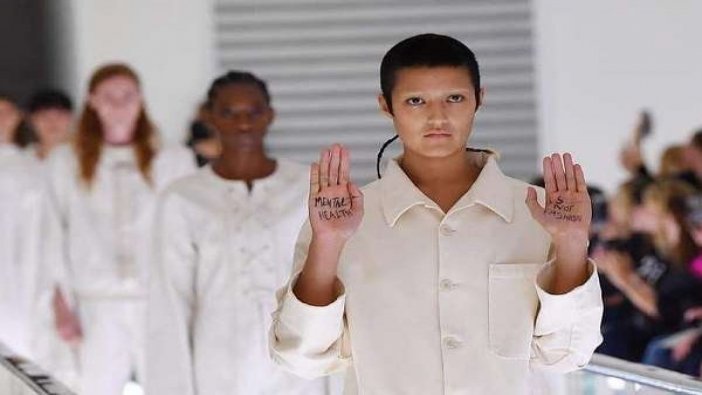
[356, 196]
[537, 212]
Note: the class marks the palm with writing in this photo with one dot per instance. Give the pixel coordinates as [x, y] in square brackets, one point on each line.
[568, 212]
[335, 204]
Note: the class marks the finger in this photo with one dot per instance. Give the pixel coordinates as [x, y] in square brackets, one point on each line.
[580, 179]
[569, 172]
[314, 179]
[324, 169]
[557, 167]
[345, 167]
[549, 178]
[537, 211]
[356, 197]
[334, 165]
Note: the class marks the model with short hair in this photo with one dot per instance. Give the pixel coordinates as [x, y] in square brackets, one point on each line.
[444, 276]
[224, 238]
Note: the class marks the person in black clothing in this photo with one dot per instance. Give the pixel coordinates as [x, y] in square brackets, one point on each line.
[650, 271]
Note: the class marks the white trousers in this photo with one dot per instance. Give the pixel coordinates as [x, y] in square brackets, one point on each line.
[113, 344]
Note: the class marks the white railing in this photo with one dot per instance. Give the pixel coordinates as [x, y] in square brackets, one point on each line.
[611, 376]
[18, 376]
[603, 376]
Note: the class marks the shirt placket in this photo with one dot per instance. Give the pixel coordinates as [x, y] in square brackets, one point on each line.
[259, 236]
[124, 219]
[448, 286]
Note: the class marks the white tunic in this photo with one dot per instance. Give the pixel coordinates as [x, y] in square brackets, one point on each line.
[20, 222]
[104, 231]
[440, 303]
[224, 250]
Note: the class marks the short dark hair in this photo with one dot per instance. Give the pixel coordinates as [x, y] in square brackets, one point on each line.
[427, 50]
[49, 99]
[236, 77]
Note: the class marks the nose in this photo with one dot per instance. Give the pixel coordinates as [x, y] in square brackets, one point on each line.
[244, 121]
[437, 114]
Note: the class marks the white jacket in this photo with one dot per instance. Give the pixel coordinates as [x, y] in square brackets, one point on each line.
[100, 247]
[223, 251]
[20, 202]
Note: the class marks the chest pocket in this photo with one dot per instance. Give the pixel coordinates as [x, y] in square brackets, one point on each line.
[512, 307]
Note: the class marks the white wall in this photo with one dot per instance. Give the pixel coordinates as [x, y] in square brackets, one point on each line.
[600, 61]
[169, 42]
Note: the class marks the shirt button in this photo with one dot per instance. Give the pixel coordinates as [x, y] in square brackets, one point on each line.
[447, 285]
[452, 343]
[446, 230]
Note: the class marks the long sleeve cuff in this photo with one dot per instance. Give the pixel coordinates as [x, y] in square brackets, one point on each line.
[308, 340]
[567, 328]
[303, 318]
[562, 310]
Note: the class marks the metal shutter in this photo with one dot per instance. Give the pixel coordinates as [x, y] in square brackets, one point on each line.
[321, 59]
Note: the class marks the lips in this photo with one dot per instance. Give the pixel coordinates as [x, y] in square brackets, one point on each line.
[437, 133]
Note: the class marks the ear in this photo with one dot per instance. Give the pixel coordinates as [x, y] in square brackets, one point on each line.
[271, 115]
[481, 96]
[383, 105]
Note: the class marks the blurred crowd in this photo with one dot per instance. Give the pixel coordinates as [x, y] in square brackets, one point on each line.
[647, 242]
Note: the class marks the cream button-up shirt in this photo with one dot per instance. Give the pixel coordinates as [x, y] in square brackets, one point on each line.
[441, 303]
[222, 251]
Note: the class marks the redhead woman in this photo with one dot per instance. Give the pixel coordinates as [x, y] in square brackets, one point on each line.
[103, 191]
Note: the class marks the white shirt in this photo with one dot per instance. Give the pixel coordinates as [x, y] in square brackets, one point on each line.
[20, 237]
[224, 250]
[100, 247]
[438, 303]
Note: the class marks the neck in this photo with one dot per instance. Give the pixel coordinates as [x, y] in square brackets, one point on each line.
[243, 165]
[456, 169]
[443, 180]
[118, 135]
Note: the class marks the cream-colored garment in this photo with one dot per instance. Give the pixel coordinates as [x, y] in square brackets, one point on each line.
[97, 249]
[20, 237]
[223, 251]
[105, 227]
[438, 303]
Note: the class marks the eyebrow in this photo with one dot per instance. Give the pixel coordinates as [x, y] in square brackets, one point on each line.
[449, 91]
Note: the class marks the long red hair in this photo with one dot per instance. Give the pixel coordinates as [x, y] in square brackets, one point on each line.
[89, 138]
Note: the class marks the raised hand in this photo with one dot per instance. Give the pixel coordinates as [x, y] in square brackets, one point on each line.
[566, 216]
[568, 211]
[335, 203]
[336, 210]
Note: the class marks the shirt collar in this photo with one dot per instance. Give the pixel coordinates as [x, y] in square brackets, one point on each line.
[491, 189]
[283, 176]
